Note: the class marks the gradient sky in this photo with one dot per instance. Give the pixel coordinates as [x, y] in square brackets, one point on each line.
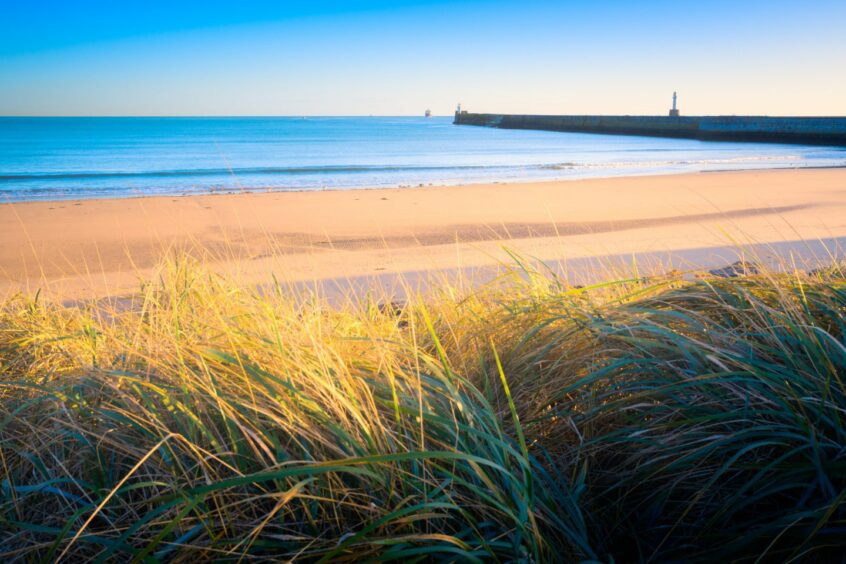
[398, 57]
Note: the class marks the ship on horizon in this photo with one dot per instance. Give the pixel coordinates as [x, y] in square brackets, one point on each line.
[428, 113]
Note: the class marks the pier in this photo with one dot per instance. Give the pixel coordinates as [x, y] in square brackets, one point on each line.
[799, 130]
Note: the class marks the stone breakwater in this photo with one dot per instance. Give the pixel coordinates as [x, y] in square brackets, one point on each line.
[802, 130]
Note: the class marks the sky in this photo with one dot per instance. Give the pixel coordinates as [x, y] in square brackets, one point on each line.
[400, 57]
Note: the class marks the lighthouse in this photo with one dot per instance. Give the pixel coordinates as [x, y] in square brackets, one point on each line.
[674, 112]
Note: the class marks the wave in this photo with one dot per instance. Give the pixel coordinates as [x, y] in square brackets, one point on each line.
[238, 171]
[670, 163]
[352, 169]
[558, 166]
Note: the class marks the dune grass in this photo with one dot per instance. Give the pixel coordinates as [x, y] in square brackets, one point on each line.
[642, 419]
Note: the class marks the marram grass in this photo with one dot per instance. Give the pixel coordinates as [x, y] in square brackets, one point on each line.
[648, 419]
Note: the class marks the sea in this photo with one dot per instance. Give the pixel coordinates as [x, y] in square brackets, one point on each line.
[76, 158]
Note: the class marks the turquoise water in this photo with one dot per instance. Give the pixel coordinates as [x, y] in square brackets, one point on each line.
[61, 158]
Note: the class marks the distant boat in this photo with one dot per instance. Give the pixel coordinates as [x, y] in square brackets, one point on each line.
[428, 113]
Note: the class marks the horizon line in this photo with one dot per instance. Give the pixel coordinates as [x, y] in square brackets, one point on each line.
[208, 116]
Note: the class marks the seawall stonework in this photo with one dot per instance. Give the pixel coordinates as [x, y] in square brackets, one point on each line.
[803, 130]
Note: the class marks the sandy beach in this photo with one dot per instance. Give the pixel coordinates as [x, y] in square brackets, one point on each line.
[92, 248]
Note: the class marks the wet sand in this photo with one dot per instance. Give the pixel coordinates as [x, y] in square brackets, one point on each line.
[94, 248]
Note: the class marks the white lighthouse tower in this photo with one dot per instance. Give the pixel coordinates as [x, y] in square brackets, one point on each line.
[675, 111]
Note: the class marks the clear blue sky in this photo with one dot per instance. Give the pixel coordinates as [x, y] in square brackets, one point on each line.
[243, 57]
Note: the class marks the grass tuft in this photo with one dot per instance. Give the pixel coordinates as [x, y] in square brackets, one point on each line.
[646, 418]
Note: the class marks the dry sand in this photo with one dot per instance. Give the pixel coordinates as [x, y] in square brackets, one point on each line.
[87, 248]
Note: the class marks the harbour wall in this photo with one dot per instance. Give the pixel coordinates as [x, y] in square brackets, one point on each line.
[800, 130]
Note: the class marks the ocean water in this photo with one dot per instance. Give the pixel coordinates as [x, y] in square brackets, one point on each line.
[63, 158]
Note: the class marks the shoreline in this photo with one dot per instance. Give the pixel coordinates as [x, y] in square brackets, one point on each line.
[264, 190]
[98, 247]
